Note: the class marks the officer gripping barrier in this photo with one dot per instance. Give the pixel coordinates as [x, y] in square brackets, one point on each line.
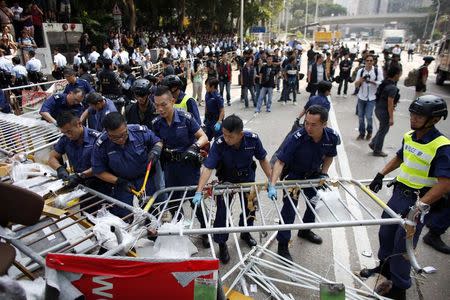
[346, 209]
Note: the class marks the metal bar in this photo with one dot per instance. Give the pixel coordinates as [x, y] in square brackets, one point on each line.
[34, 84]
[63, 218]
[243, 208]
[280, 227]
[292, 203]
[310, 206]
[354, 198]
[180, 207]
[326, 204]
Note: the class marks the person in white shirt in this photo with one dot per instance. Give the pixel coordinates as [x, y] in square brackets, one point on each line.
[19, 75]
[174, 52]
[93, 56]
[59, 60]
[396, 50]
[146, 51]
[33, 64]
[137, 57]
[147, 64]
[78, 59]
[124, 57]
[367, 79]
[183, 53]
[5, 64]
[107, 52]
[206, 50]
[411, 48]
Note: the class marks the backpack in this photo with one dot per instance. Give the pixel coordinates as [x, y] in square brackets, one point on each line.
[412, 78]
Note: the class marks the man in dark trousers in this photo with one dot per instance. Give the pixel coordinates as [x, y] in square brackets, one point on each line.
[387, 97]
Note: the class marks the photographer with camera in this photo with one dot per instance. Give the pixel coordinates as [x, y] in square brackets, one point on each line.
[367, 79]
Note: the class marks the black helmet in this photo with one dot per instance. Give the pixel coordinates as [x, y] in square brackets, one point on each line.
[430, 106]
[172, 81]
[324, 86]
[141, 87]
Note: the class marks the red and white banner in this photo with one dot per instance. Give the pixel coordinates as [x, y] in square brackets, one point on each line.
[136, 278]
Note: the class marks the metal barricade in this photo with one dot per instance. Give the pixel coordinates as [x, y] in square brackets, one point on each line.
[352, 206]
[24, 135]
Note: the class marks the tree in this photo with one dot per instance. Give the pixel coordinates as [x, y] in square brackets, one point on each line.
[132, 14]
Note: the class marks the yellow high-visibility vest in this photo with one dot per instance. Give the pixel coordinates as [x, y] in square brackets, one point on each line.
[415, 168]
[183, 104]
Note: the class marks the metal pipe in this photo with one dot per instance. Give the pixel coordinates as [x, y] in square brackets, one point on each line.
[280, 227]
[34, 84]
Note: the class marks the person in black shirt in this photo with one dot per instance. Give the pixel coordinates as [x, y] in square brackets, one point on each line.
[311, 54]
[267, 81]
[143, 111]
[387, 97]
[345, 67]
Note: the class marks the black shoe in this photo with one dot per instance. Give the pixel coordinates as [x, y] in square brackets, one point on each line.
[380, 153]
[247, 237]
[283, 250]
[435, 241]
[228, 103]
[371, 146]
[366, 273]
[310, 236]
[396, 293]
[205, 241]
[224, 256]
[382, 268]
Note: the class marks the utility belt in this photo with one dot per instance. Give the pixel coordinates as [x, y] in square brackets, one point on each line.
[407, 191]
[211, 117]
[225, 174]
[170, 155]
[305, 175]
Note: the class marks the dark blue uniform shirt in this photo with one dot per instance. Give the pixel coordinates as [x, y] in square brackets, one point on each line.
[128, 161]
[320, 100]
[191, 107]
[79, 154]
[57, 103]
[440, 165]
[214, 103]
[180, 134]
[238, 163]
[95, 118]
[304, 156]
[4, 105]
[81, 84]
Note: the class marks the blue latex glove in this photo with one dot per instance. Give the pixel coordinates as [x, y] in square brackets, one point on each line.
[197, 198]
[272, 192]
[217, 126]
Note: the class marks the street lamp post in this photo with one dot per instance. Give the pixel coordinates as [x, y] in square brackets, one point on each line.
[435, 19]
[306, 19]
[242, 26]
[316, 16]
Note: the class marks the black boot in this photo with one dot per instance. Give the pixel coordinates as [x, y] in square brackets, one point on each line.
[224, 256]
[310, 236]
[396, 293]
[283, 250]
[435, 241]
[205, 241]
[382, 268]
[246, 236]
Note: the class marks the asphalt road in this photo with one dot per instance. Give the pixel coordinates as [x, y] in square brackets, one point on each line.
[348, 245]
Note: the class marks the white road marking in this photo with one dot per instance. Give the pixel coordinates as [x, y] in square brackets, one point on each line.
[360, 234]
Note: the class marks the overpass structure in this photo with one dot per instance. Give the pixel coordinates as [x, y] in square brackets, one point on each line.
[371, 19]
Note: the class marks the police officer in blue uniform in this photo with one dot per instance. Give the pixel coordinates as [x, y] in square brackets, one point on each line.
[423, 180]
[99, 107]
[73, 82]
[5, 107]
[214, 111]
[120, 157]
[323, 91]
[438, 221]
[77, 143]
[182, 138]
[58, 103]
[308, 154]
[182, 101]
[232, 155]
